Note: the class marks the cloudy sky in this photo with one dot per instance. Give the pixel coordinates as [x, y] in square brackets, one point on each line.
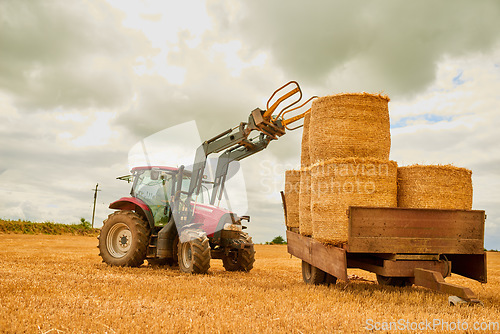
[83, 81]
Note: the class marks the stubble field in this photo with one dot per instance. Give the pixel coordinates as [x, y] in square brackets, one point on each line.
[58, 284]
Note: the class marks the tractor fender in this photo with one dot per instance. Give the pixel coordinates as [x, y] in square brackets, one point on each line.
[134, 204]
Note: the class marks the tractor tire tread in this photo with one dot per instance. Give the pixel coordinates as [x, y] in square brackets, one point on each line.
[142, 231]
[246, 257]
[200, 254]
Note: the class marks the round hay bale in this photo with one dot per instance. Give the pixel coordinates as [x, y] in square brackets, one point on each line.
[340, 183]
[305, 221]
[292, 188]
[350, 125]
[305, 159]
[435, 187]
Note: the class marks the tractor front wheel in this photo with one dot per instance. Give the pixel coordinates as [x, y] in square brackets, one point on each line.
[194, 254]
[124, 239]
[241, 260]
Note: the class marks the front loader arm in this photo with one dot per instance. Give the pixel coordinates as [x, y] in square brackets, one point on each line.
[236, 143]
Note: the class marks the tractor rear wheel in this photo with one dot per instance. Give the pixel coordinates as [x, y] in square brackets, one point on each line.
[241, 260]
[194, 254]
[124, 239]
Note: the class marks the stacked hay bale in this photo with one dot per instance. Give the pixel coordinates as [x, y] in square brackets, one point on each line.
[305, 156]
[305, 221]
[349, 150]
[435, 187]
[345, 162]
[292, 185]
[338, 184]
[350, 125]
[305, 218]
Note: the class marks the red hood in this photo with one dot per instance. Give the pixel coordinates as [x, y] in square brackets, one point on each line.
[209, 216]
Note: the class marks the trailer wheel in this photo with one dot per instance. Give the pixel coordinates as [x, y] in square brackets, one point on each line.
[194, 255]
[330, 279]
[311, 274]
[241, 260]
[394, 281]
[124, 239]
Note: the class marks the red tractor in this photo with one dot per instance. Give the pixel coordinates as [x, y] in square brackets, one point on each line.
[171, 216]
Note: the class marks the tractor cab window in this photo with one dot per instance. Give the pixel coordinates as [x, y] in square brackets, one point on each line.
[156, 187]
[203, 197]
[152, 186]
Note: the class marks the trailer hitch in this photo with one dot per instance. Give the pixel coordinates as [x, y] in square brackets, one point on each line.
[434, 280]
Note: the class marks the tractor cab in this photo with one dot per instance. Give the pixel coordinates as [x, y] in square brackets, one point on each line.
[156, 187]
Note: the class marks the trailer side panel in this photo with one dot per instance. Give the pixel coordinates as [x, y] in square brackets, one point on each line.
[415, 231]
[330, 259]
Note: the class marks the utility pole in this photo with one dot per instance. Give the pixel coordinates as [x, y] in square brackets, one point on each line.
[95, 198]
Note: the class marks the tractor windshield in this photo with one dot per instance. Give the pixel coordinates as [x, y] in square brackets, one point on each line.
[154, 187]
[151, 187]
[204, 195]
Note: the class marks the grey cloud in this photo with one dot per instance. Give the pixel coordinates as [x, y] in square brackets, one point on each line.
[492, 229]
[491, 167]
[267, 218]
[389, 45]
[71, 54]
[209, 95]
[46, 180]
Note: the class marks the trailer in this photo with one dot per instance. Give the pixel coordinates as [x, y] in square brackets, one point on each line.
[402, 247]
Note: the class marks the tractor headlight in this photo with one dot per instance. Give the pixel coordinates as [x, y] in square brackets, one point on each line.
[232, 227]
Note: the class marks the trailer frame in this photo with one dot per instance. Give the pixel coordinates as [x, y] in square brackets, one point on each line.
[407, 246]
